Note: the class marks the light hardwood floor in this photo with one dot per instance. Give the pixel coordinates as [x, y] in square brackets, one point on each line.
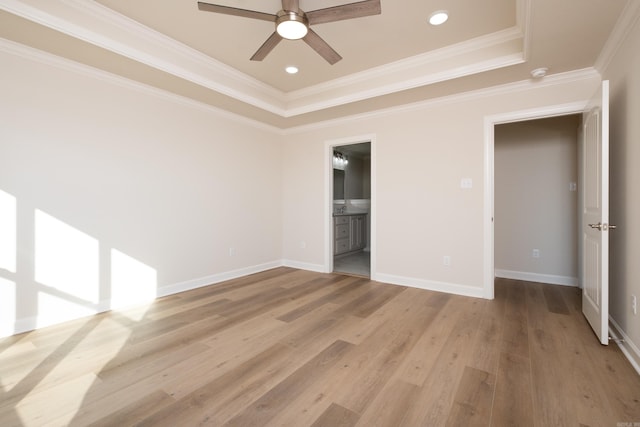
[295, 348]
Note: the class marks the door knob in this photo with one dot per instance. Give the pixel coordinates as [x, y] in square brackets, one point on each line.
[600, 226]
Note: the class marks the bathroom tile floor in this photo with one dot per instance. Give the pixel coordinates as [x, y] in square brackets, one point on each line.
[358, 263]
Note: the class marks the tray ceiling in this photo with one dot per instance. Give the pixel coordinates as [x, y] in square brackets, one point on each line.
[388, 59]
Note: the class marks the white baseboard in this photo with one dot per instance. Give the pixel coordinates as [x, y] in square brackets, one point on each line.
[27, 324]
[318, 268]
[32, 323]
[628, 347]
[536, 277]
[431, 285]
[215, 278]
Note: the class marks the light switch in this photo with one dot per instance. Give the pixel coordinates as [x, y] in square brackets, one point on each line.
[466, 183]
[573, 186]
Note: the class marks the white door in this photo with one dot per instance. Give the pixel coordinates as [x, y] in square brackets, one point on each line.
[595, 214]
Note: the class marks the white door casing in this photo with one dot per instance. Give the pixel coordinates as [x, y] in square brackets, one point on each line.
[595, 213]
[328, 200]
[489, 141]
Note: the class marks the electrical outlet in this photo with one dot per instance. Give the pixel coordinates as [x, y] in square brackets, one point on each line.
[634, 304]
[466, 183]
[232, 251]
[446, 260]
[303, 244]
[536, 253]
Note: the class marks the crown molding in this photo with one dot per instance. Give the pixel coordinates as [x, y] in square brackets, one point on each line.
[489, 52]
[131, 26]
[98, 25]
[524, 21]
[623, 27]
[49, 59]
[407, 64]
[519, 86]
[46, 58]
[423, 80]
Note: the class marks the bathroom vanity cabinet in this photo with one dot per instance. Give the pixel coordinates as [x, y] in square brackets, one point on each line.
[350, 231]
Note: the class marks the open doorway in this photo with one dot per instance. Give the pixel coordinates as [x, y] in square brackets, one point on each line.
[351, 209]
[490, 123]
[536, 174]
[593, 195]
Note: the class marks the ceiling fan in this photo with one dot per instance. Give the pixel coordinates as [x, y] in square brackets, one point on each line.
[293, 24]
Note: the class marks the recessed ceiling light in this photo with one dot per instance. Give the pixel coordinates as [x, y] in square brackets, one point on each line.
[291, 69]
[439, 17]
[539, 73]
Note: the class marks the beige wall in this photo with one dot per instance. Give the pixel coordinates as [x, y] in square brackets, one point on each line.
[419, 156]
[624, 75]
[171, 187]
[111, 183]
[535, 162]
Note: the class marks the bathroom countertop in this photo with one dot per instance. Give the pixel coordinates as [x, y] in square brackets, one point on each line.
[350, 213]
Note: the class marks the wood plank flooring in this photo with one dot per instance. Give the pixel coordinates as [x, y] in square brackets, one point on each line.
[294, 348]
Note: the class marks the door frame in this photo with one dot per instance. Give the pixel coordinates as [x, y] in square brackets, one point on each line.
[329, 145]
[489, 178]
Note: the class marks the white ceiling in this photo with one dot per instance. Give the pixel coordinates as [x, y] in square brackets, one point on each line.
[388, 60]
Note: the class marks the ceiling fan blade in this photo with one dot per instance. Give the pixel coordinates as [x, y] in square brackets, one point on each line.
[322, 47]
[291, 5]
[346, 11]
[267, 47]
[244, 13]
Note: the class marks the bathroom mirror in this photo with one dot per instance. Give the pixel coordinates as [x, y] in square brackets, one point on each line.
[338, 184]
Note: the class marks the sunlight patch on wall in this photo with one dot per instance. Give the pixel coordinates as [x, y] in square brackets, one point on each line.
[7, 307]
[132, 282]
[55, 309]
[7, 232]
[66, 259]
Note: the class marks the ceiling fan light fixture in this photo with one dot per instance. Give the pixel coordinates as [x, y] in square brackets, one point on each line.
[291, 25]
[438, 17]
